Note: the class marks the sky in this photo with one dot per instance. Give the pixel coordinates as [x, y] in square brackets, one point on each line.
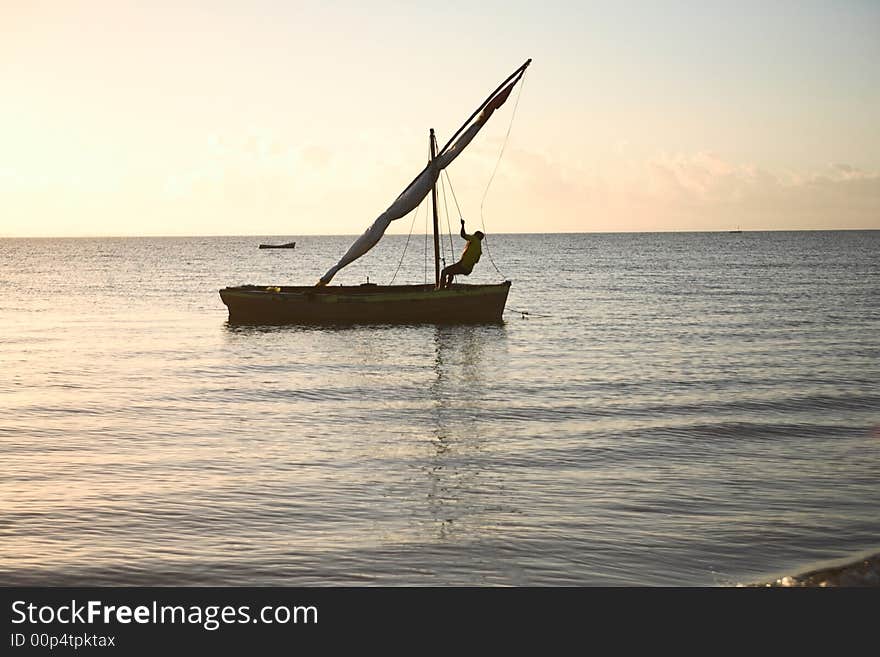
[289, 118]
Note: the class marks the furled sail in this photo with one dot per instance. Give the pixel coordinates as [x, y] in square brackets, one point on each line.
[418, 189]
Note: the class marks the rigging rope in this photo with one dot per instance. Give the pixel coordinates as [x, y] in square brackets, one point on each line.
[454, 198]
[448, 227]
[411, 225]
[426, 246]
[495, 170]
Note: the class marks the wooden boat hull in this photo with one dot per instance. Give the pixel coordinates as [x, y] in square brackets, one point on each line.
[365, 304]
[289, 245]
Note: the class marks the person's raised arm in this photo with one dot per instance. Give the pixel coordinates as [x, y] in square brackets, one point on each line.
[464, 235]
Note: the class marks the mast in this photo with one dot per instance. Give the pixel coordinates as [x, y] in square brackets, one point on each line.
[433, 141]
[417, 190]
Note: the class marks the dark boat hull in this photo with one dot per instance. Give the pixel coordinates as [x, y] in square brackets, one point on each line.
[289, 245]
[365, 304]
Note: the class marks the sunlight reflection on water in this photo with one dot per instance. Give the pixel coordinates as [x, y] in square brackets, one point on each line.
[689, 409]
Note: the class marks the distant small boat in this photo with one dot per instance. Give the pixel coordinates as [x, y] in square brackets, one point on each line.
[737, 230]
[289, 245]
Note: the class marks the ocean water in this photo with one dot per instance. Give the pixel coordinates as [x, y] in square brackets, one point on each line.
[692, 409]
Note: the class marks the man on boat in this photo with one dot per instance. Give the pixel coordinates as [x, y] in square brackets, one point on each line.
[469, 257]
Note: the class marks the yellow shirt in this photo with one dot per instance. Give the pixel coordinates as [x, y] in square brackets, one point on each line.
[472, 251]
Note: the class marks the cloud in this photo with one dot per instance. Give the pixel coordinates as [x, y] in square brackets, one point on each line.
[261, 183]
[698, 191]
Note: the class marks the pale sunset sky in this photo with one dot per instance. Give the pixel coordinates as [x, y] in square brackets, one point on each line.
[266, 117]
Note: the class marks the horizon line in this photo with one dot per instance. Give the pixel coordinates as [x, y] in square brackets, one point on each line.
[563, 232]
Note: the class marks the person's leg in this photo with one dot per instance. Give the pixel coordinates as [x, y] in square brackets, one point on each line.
[459, 270]
[448, 273]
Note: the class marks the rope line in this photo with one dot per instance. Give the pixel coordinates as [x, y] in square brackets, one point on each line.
[411, 226]
[426, 246]
[446, 211]
[454, 198]
[460, 217]
[441, 194]
[452, 189]
[525, 313]
[495, 170]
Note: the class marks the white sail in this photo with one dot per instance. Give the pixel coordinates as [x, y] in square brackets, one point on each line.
[418, 189]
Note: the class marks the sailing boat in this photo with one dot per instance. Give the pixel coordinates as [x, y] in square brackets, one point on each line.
[371, 303]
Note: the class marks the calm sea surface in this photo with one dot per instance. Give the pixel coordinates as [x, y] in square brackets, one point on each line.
[678, 409]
